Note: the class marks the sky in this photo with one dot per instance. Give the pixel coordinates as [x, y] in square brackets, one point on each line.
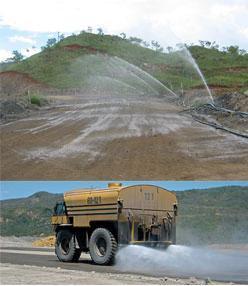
[27, 24]
[19, 189]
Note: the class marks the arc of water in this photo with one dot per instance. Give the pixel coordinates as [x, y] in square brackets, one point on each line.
[136, 76]
[195, 65]
[148, 75]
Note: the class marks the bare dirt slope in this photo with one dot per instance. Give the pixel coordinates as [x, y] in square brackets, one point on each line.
[139, 138]
[13, 82]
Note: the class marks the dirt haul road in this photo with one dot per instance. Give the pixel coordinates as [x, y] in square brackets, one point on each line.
[40, 266]
[134, 138]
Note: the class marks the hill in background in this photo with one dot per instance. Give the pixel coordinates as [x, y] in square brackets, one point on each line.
[215, 215]
[28, 216]
[72, 62]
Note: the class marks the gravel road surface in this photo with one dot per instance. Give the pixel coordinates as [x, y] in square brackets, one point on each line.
[28, 265]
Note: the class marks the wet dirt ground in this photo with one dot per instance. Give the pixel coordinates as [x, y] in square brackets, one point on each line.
[21, 263]
[104, 138]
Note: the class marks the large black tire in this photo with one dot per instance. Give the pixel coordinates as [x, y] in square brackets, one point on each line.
[65, 246]
[102, 246]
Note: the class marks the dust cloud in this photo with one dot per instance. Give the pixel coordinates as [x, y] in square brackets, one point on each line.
[182, 261]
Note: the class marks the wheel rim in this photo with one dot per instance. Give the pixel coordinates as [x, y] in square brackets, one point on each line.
[100, 246]
[65, 245]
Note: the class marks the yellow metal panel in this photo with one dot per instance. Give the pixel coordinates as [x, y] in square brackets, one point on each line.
[141, 203]
[91, 198]
[59, 219]
[81, 221]
[91, 208]
[148, 198]
[84, 221]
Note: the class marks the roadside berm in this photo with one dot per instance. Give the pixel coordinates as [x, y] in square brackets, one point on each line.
[48, 241]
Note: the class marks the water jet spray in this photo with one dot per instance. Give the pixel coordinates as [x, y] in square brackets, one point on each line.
[195, 65]
[185, 261]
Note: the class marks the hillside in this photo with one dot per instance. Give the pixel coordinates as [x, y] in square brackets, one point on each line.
[28, 216]
[223, 71]
[213, 215]
[74, 60]
[216, 215]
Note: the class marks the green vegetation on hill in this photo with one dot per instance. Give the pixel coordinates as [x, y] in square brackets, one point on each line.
[213, 215]
[216, 215]
[28, 216]
[222, 68]
[57, 65]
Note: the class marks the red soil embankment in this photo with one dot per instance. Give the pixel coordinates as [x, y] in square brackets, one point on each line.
[75, 47]
[14, 82]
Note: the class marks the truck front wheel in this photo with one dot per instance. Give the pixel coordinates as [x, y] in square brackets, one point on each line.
[65, 246]
[102, 246]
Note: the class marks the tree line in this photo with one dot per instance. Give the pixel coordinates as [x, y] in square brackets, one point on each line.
[154, 45]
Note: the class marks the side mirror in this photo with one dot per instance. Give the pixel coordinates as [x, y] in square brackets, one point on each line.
[60, 208]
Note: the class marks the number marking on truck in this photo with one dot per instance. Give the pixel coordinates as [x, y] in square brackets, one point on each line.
[148, 196]
[94, 200]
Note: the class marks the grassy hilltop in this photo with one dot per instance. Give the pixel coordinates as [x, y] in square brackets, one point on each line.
[68, 63]
[215, 215]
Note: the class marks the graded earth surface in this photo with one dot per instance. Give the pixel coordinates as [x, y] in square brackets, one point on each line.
[105, 137]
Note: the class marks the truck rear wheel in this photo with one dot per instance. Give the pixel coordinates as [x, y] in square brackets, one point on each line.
[102, 246]
[65, 246]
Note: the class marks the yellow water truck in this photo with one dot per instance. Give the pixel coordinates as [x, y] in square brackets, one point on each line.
[99, 221]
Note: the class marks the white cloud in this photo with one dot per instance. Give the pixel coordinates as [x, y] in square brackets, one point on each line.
[191, 20]
[22, 39]
[4, 54]
[244, 32]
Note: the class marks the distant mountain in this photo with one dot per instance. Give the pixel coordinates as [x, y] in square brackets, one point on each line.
[214, 215]
[28, 216]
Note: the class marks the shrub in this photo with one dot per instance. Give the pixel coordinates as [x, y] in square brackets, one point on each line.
[35, 100]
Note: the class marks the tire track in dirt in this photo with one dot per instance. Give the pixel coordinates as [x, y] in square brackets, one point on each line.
[142, 133]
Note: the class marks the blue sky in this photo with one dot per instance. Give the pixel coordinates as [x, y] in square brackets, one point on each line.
[18, 189]
[28, 23]
[11, 38]
[28, 43]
